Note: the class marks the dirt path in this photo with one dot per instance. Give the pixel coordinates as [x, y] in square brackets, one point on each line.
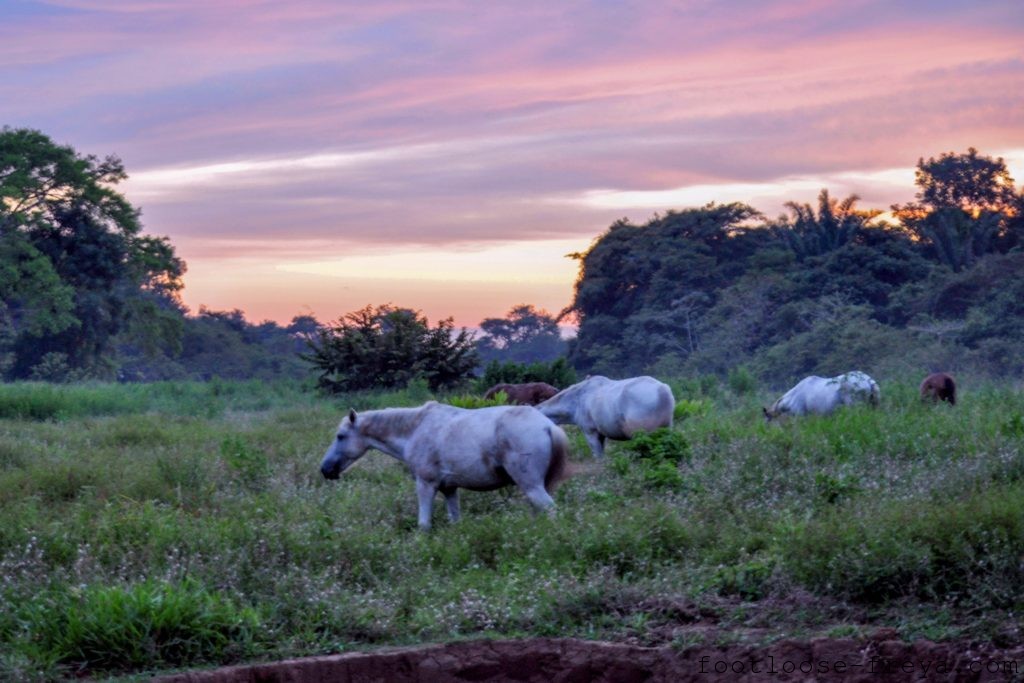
[576, 661]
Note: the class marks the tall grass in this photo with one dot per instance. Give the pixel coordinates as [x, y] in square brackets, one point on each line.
[178, 524]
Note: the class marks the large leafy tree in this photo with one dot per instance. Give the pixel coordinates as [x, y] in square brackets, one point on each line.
[641, 288]
[969, 181]
[387, 347]
[966, 207]
[66, 231]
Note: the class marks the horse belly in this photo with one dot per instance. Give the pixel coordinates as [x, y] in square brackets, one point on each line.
[609, 420]
[474, 471]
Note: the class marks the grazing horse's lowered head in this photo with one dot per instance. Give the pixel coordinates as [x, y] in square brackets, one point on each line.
[348, 446]
[448, 448]
[822, 395]
[939, 386]
[527, 394]
[612, 409]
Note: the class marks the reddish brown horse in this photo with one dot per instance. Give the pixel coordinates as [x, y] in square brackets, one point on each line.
[529, 394]
[939, 386]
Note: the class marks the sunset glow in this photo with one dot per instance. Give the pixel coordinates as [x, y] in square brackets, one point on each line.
[318, 156]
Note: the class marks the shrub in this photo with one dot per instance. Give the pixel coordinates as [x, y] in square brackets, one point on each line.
[473, 401]
[690, 407]
[654, 457]
[661, 444]
[388, 347]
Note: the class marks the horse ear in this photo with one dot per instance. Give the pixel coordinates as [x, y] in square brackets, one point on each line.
[352, 415]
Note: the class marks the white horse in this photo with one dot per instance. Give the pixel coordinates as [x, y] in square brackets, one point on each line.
[447, 448]
[822, 395]
[612, 409]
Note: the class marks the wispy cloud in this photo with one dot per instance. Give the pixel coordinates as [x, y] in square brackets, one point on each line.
[318, 131]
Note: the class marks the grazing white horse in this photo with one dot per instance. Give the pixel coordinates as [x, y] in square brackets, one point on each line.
[612, 409]
[448, 448]
[822, 395]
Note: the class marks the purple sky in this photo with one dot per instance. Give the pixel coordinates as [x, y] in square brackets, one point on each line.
[317, 156]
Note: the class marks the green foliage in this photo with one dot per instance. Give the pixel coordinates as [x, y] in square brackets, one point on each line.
[144, 625]
[388, 347]
[969, 182]
[631, 296]
[557, 373]
[749, 580]
[706, 290]
[835, 225]
[690, 407]
[832, 489]
[41, 401]
[201, 506]
[249, 462]
[741, 381]
[75, 266]
[966, 549]
[654, 457]
[661, 444]
[474, 401]
[1014, 426]
[224, 344]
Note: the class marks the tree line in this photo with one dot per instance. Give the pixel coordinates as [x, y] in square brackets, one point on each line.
[934, 283]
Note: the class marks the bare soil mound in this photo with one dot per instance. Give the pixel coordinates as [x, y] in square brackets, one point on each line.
[570, 661]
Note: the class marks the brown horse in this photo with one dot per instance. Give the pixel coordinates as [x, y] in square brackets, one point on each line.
[939, 386]
[529, 394]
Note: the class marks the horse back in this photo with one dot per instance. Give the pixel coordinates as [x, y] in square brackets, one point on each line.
[811, 394]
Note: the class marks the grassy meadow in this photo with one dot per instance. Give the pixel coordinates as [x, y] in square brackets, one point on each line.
[154, 527]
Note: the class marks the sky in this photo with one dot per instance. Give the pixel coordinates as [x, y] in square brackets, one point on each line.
[316, 156]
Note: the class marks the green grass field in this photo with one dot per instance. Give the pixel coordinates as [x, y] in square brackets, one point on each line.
[154, 527]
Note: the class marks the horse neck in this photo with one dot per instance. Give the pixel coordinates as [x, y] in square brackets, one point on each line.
[389, 430]
[560, 407]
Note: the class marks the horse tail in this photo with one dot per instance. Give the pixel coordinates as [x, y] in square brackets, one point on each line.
[950, 387]
[558, 466]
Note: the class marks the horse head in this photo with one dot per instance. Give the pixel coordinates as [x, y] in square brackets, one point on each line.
[348, 446]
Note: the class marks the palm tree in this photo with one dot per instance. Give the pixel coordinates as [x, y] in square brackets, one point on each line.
[835, 224]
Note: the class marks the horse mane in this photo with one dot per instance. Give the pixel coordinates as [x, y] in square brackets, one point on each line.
[376, 423]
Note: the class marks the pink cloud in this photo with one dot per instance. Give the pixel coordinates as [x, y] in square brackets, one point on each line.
[453, 122]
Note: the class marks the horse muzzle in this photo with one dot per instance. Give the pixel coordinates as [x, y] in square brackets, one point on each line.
[331, 472]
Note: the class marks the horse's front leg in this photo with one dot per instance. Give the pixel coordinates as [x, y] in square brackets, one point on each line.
[451, 498]
[596, 442]
[425, 492]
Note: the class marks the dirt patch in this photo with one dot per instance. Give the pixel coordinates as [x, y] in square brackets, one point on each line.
[881, 658]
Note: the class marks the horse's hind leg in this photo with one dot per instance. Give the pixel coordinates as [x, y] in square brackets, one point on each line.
[451, 498]
[540, 499]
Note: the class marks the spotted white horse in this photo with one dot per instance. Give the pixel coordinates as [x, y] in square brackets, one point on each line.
[822, 395]
[448, 448]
